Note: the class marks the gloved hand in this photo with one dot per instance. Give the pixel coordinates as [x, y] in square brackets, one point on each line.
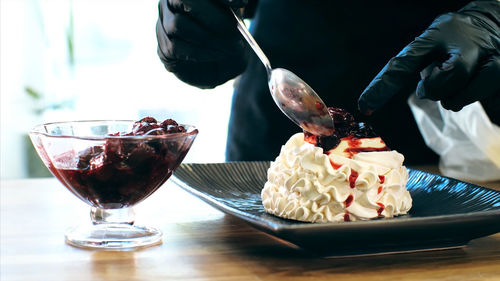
[458, 58]
[199, 42]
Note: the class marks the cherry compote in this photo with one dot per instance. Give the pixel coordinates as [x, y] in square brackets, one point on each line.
[128, 166]
[345, 126]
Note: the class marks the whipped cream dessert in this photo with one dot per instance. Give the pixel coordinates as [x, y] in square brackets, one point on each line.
[349, 176]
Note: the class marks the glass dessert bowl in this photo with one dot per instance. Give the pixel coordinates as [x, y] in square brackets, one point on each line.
[112, 165]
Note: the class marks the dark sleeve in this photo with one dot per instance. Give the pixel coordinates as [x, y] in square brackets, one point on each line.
[488, 8]
[250, 8]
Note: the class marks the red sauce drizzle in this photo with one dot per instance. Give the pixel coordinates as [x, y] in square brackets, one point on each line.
[349, 200]
[347, 217]
[311, 139]
[354, 150]
[319, 106]
[352, 178]
[354, 147]
[382, 179]
[353, 142]
[335, 165]
[381, 209]
[379, 189]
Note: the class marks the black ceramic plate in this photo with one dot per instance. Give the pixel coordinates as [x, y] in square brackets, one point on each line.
[446, 213]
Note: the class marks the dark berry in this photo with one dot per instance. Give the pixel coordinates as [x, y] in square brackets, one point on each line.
[141, 156]
[147, 125]
[168, 122]
[345, 126]
[326, 143]
[149, 120]
[85, 156]
[341, 117]
[363, 130]
[114, 150]
[171, 127]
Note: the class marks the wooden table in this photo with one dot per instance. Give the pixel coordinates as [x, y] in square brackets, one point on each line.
[200, 243]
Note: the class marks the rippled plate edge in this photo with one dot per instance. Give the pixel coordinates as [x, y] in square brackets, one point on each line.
[277, 227]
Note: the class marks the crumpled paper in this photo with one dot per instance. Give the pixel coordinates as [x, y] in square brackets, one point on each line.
[467, 142]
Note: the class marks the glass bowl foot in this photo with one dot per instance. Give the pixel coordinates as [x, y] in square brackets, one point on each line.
[113, 236]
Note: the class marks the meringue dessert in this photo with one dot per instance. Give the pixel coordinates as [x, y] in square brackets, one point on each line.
[349, 176]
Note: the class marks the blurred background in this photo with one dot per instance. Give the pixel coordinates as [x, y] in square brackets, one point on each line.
[93, 59]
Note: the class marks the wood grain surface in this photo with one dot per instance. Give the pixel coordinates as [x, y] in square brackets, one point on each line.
[199, 243]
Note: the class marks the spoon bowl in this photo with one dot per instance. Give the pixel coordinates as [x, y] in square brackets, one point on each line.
[300, 103]
[297, 100]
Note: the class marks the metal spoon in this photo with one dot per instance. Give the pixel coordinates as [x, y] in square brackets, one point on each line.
[294, 97]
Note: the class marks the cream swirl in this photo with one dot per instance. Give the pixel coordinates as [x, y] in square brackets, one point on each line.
[305, 184]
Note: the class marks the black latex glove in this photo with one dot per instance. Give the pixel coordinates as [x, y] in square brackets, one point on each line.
[198, 41]
[458, 58]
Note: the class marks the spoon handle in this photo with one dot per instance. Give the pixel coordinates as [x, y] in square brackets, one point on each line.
[251, 41]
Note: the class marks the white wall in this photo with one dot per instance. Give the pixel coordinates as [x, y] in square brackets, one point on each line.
[20, 64]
